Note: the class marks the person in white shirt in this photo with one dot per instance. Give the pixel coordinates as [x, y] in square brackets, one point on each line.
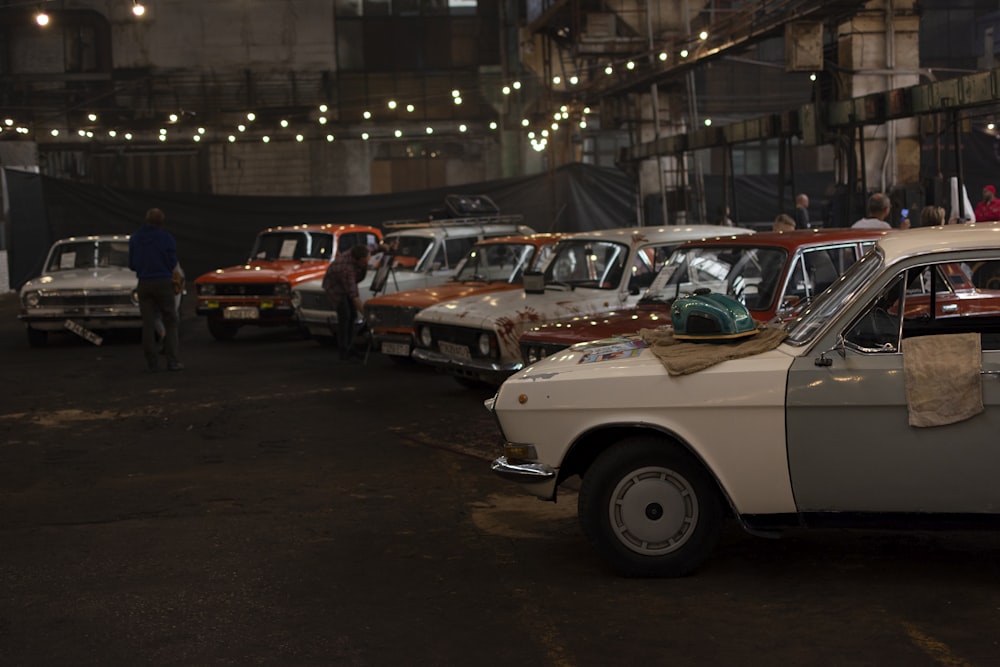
[878, 210]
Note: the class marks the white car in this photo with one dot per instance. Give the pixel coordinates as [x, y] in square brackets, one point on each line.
[476, 338]
[426, 254]
[877, 406]
[85, 283]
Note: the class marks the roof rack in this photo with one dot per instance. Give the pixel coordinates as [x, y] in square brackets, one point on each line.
[459, 210]
[414, 223]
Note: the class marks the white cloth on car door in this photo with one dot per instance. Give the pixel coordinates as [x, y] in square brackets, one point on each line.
[942, 375]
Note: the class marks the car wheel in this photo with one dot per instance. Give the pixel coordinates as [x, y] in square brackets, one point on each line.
[37, 337]
[650, 508]
[222, 330]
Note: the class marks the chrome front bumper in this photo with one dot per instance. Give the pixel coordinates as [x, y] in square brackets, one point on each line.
[477, 369]
[538, 479]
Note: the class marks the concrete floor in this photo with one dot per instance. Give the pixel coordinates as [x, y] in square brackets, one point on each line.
[269, 506]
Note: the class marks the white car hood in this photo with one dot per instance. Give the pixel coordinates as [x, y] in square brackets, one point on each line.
[486, 311]
[627, 355]
[109, 278]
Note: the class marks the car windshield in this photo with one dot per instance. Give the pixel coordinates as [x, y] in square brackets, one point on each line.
[504, 262]
[293, 244]
[748, 273]
[411, 251]
[815, 316]
[587, 263]
[88, 255]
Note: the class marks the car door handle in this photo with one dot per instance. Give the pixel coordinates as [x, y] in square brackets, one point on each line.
[949, 308]
[993, 373]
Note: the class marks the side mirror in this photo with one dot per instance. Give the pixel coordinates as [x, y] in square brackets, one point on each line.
[840, 348]
[534, 282]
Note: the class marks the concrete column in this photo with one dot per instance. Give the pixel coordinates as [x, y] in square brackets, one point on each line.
[879, 50]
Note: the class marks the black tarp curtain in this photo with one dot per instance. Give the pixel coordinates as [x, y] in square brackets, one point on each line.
[214, 231]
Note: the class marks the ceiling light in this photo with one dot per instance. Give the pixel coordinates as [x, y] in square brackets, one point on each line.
[138, 9]
[41, 18]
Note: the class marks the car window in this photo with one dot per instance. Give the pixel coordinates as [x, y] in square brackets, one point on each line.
[647, 265]
[542, 257]
[88, 255]
[410, 250]
[293, 245]
[455, 249]
[750, 274]
[582, 262]
[495, 262]
[930, 299]
[877, 329]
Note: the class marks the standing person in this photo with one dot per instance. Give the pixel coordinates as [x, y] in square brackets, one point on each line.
[802, 211]
[783, 223]
[723, 217]
[931, 216]
[878, 210]
[341, 285]
[988, 210]
[152, 254]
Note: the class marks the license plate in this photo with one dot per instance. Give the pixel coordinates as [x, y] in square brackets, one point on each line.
[453, 350]
[240, 313]
[397, 349]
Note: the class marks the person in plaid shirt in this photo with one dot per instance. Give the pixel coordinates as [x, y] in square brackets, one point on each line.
[341, 285]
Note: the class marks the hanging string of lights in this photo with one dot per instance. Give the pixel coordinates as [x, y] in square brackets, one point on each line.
[180, 126]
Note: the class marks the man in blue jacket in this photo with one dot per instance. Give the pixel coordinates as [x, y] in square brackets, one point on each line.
[152, 254]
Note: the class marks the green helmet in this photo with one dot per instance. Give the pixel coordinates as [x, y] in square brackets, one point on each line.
[712, 317]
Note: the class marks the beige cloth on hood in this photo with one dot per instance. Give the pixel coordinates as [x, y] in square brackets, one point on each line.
[681, 357]
[942, 374]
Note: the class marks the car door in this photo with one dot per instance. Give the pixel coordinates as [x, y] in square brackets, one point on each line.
[850, 445]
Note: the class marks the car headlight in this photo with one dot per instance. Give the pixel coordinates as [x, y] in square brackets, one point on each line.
[486, 344]
[372, 317]
[208, 289]
[425, 336]
[135, 297]
[282, 289]
[533, 355]
[31, 299]
[296, 299]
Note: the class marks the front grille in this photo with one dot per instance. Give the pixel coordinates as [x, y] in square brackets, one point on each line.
[458, 336]
[245, 289]
[81, 299]
[315, 301]
[396, 317]
[531, 352]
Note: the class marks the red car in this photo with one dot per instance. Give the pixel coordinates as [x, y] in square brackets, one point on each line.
[772, 273]
[259, 292]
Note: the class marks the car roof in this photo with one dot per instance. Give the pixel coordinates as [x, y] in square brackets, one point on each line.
[792, 240]
[94, 237]
[330, 228]
[537, 239]
[970, 236]
[460, 230]
[676, 233]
